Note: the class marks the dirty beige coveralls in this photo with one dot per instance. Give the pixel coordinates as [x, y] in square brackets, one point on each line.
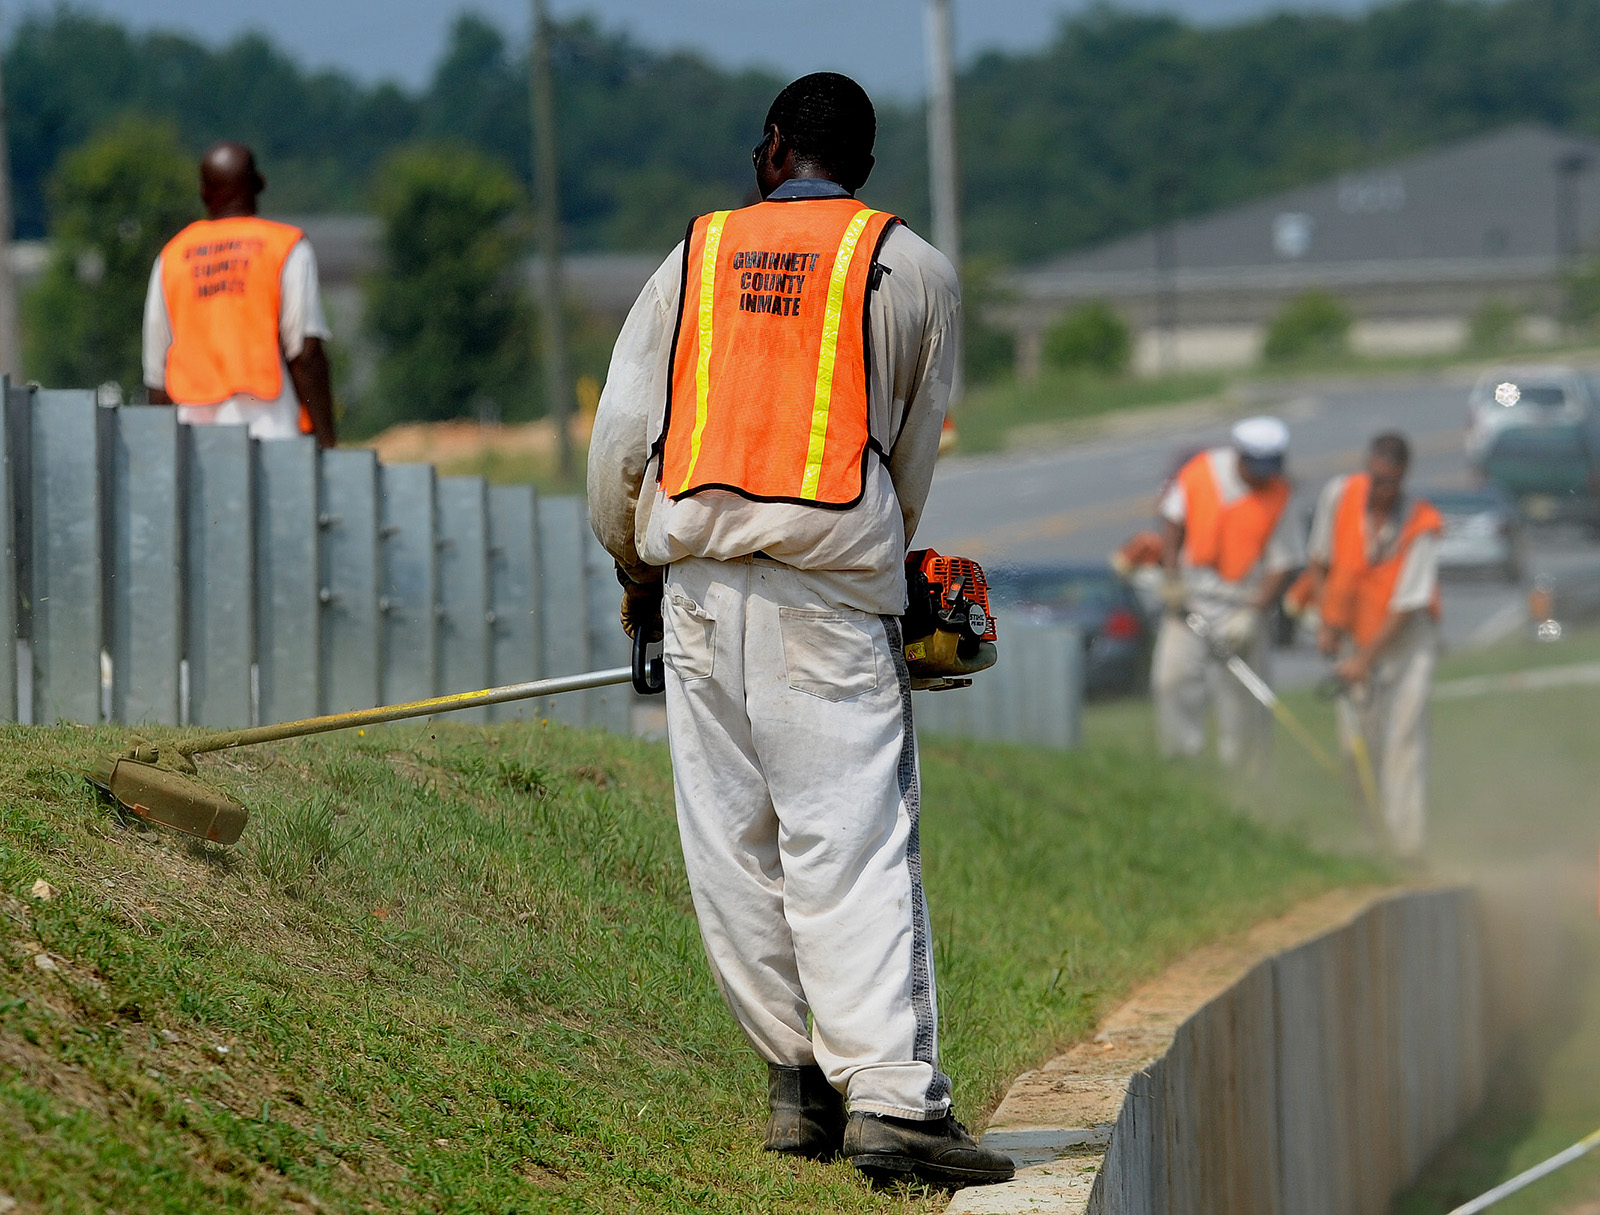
[1391, 710]
[1184, 678]
[788, 701]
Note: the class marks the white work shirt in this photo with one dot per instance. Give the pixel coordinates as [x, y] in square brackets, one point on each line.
[300, 317]
[855, 557]
[1209, 592]
[1419, 572]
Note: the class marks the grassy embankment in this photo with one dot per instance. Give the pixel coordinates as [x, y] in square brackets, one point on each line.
[457, 969]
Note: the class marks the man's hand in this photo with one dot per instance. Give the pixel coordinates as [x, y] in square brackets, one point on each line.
[641, 607]
[313, 384]
[1328, 639]
[1174, 595]
[1355, 669]
[1238, 629]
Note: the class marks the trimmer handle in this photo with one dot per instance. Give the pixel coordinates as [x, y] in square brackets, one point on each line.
[1331, 687]
[649, 674]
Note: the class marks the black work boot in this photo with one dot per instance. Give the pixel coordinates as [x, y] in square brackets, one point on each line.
[939, 1152]
[805, 1113]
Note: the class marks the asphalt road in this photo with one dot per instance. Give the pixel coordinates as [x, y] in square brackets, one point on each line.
[1078, 502]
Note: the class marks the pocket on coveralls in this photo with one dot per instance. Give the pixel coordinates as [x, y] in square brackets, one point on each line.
[828, 654]
[690, 639]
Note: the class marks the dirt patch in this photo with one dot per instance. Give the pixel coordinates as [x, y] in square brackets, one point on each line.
[462, 440]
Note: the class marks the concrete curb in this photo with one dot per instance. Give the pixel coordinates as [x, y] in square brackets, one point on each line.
[1311, 1065]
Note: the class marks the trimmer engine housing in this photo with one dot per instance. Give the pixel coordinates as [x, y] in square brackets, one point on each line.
[949, 629]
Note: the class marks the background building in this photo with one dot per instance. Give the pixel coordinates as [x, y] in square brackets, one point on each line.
[1413, 249]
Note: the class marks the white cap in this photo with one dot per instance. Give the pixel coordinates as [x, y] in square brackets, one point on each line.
[1261, 438]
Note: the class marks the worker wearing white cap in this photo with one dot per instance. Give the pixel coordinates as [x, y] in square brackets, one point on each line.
[1228, 544]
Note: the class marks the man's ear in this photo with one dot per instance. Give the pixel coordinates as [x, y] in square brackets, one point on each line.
[863, 171]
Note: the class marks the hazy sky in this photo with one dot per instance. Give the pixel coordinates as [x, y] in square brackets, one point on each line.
[877, 41]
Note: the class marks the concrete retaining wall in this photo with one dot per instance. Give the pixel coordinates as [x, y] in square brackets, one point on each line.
[1310, 1067]
[1318, 1084]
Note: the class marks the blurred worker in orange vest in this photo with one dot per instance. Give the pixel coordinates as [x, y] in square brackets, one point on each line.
[1228, 544]
[233, 322]
[1376, 552]
[760, 458]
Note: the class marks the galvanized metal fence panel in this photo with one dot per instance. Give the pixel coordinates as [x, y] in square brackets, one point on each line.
[350, 581]
[18, 502]
[464, 589]
[1033, 693]
[288, 579]
[9, 645]
[67, 595]
[410, 583]
[564, 591]
[293, 581]
[144, 568]
[219, 598]
[514, 655]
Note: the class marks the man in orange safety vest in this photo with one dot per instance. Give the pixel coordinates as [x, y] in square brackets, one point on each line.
[1375, 553]
[759, 461]
[233, 321]
[1228, 544]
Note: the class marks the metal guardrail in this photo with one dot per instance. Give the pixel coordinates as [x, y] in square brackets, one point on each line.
[1033, 693]
[155, 572]
[158, 572]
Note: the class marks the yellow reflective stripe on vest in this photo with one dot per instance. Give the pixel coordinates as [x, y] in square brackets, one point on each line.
[830, 352]
[702, 368]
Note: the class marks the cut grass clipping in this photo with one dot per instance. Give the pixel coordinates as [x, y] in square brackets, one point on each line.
[452, 969]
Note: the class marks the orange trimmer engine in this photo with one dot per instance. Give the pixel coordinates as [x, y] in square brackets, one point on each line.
[949, 629]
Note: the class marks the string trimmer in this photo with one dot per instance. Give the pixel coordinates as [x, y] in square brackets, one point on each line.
[1257, 687]
[1334, 688]
[157, 783]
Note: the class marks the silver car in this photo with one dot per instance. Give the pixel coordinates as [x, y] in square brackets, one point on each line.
[1482, 533]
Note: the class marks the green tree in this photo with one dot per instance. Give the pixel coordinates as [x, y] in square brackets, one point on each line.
[1310, 326]
[115, 202]
[1092, 338]
[447, 310]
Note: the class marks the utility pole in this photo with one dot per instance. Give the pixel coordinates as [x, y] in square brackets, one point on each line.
[1166, 237]
[942, 170]
[10, 334]
[547, 197]
[1569, 237]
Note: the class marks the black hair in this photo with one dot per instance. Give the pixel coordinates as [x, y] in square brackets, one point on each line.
[1392, 448]
[826, 119]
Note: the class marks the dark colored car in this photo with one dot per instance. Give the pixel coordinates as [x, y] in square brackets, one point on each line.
[1117, 636]
[1548, 471]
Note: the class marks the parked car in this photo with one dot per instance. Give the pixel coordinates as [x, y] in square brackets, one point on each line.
[1548, 471]
[1117, 635]
[1482, 533]
[1507, 398]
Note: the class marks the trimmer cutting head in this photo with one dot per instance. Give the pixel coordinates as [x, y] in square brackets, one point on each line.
[170, 799]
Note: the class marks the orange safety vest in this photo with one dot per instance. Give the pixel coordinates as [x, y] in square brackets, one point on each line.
[1231, 537]
[1356, 596]
[222, 279]
[768, 393]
